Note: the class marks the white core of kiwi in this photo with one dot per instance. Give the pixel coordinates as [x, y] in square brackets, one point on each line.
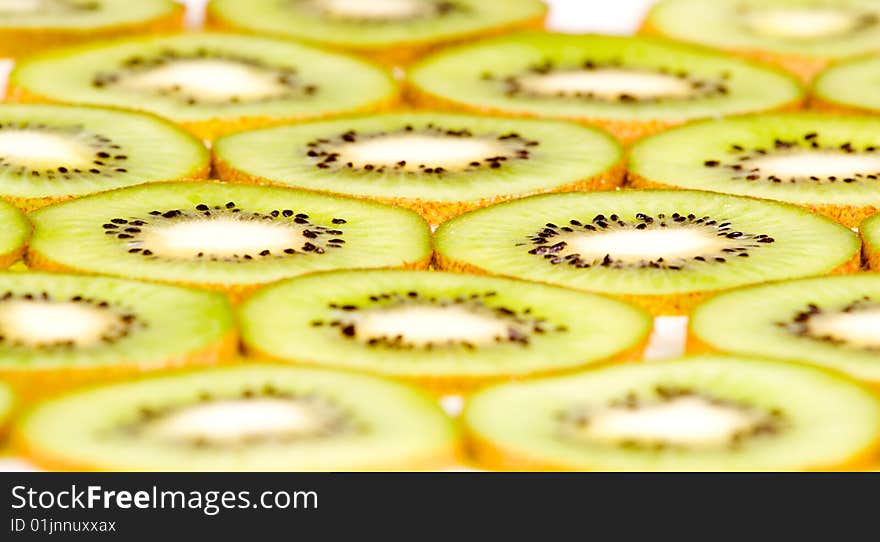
[209, 79]
[374, 9]
[434, 324]
[690, 421]
[219, 236]
[631, 245]
[804, 23]
[37, 149]
[857, 328]
[38, 322]
[237, 420]
[807, 163]
[607, 83]
[428, 151]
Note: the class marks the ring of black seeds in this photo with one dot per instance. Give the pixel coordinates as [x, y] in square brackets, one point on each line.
[800, 324]
[126, 321]
[335, 419]
[320, 238]
[428, 9]
[512, 85]
[574, 420]
[284, 75]
[738, 158]
[521, 325]
[325, 153]
[552, 250]
[108, 158]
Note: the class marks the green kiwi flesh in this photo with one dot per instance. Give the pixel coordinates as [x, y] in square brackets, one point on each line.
[706, 413]
[245, 418]
[437, 327]
[229, 235]
[849, 84]
[15, 231]
[831, 321]
[81, 15]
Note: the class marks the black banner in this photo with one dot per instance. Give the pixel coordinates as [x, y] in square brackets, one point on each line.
[136, 506]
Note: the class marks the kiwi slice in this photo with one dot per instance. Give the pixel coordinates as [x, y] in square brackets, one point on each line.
[15, 229]
[230, 237]
[57, 331]
[846, 87]
[50, 153]
[830, 321]
[246, 418]
[801, 36]
[663, 249]
[447, 331]
[389, 31]
[870, 232]
[29, 26]
[829, 164]
[631, 86]
[704, 413]
[439, 165]
[209, 83]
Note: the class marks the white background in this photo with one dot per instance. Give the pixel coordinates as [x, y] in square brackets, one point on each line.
[576, 16]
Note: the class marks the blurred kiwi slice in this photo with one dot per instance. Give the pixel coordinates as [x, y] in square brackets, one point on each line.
[230, 237]
[29, 26]
[390, 31]
[437, 164]
[209, 83]
[846, 86]
[801, 36]
[827, 163]
[15, 230]
[58, 331]
[663, 249]
[246, 418]
[450, 332]
[632, 86]
[829, 321]
[704, 413]
[870, 231]
[52, 152]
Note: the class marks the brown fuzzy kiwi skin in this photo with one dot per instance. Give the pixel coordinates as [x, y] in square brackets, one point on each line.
[213, 128]
[680, 304]
[803, 67]
[236, 292]
[464, 384]
[23, 42]
[399, 54]
[848, 215]
[437, 212]
[626, 131]
[31, 385]
[451, 455]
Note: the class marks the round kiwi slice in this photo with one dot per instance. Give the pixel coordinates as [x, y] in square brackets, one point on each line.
[246, 418]
[209, 83]
[663, 249]
[830, 321]
[447, 331]
[389, 31]
[801, 36]
[631, 86]
[50, 153]
[870, 231]
[15, 229]
[231, 237]
[705, 413]
[847, 86]
[439, 165]
[57, 331]
[829, 164]
[28, 26]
